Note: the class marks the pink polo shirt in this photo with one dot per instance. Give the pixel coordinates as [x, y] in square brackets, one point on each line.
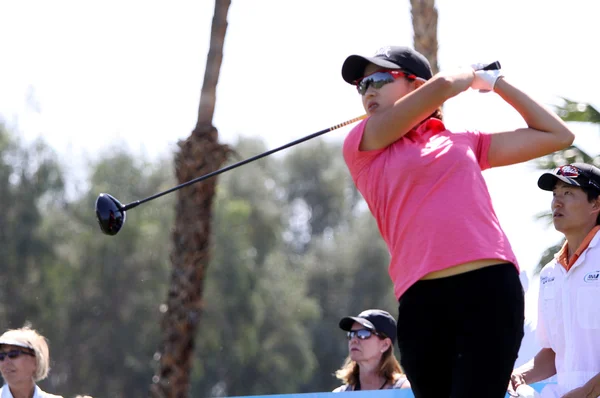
[430, 200]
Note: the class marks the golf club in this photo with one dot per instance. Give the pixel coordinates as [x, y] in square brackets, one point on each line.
[111, 213]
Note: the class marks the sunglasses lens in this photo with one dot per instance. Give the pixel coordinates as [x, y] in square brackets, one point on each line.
[377, 80]
[11, 354]
[361, 334]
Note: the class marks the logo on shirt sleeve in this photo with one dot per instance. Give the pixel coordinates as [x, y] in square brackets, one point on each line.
[592, 277]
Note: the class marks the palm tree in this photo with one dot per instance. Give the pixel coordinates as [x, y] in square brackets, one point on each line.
[199, 154]
[424, 21]
[569, 111]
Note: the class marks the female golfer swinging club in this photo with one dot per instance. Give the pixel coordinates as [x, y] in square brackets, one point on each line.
[461, 305]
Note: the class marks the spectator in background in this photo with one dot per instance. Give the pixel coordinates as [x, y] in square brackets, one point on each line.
[371, 363]
[24, 360]
[569, 298]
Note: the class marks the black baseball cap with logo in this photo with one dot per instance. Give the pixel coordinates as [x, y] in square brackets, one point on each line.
[580, 175]
[391, 57]
[376, 320]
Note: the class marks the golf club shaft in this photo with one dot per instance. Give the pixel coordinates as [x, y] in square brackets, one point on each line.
[241, 163]
[492, 66]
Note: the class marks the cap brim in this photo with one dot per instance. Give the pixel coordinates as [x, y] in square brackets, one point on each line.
[347, 322]
[547, 181]
[354, 66]
[15, 343]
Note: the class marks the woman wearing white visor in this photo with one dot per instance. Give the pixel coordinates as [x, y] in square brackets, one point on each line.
[24, 360]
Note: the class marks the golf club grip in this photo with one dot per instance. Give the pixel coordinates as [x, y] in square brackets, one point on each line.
[493, 66]
[241, 163]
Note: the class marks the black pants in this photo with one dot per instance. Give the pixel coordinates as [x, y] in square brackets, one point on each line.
[459, 336]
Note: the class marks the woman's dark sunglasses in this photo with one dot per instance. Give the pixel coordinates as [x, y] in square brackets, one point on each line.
[12, 354]
[362, 334]
[574, 172]
[380, 79]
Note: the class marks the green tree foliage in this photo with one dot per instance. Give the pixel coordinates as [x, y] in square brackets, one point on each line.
[319, 184]
[256, 302]
[95, 298]
[572, 111]
[112, 285]
[30, 178]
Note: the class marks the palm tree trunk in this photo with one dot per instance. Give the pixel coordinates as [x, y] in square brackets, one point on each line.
[425, 21]
[199, 154]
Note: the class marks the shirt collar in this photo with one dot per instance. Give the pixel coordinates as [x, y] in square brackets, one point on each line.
[562, 255]
[432, 124]
[37, 392]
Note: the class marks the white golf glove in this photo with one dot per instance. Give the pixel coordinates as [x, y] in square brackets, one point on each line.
[485, 80]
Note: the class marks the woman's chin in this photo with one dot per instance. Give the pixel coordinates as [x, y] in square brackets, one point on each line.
[355, 355]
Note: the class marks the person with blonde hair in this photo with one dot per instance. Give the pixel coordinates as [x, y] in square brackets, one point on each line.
[24, 360]
[371, 363]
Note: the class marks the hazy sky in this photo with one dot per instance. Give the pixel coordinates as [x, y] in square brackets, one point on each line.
[87, 76]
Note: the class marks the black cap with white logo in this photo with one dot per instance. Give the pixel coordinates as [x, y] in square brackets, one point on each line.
[391, 57]
[376, 320]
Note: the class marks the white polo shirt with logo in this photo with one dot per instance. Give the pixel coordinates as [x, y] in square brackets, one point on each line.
[569, 317]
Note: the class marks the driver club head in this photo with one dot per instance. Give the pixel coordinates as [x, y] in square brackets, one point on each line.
[110, 214]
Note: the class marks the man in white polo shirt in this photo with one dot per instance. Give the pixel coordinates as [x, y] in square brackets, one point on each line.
[569, 299]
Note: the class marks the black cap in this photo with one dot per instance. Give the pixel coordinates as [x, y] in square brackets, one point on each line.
[391, 57]
[377, 320]
[578, 174]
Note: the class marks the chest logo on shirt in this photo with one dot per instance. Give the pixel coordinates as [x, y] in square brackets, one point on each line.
[546, 279]
[592, 277]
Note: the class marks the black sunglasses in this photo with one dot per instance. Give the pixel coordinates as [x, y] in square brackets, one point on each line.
[379, 79]
[362, 334]
[12, 354]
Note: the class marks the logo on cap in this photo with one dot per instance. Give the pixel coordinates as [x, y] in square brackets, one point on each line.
[384, 51]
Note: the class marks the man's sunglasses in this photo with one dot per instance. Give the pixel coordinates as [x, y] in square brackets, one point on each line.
[12, 354]
[362, 334]
[574, 172]
[380, 79]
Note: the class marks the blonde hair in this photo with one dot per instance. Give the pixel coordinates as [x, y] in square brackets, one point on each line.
[389, 368]
[35, 342]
